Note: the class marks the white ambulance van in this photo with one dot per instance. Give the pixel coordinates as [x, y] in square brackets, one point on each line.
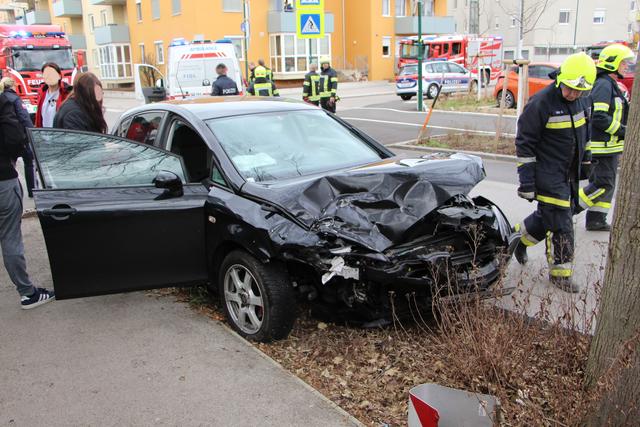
[191, 68]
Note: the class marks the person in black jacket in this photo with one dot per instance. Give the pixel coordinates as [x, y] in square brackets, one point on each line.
[552, 153]
[12, 145]
[609, 125]
[328, 85]
[7, 84]
[83, 109]
[262, 86]
[223, 86]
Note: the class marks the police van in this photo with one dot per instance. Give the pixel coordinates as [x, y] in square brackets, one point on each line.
[191, 68]
[450, 76]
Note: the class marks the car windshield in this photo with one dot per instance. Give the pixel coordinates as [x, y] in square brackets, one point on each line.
[34, 59]
[409, 70]
[282, 145]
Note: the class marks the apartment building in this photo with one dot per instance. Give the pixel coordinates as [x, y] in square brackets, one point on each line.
[551, 32]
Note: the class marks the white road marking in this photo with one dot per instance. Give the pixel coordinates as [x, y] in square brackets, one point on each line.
[483, 132]
[470, 113]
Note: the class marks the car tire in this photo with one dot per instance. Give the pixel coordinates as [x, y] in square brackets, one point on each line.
[432, 91]
[509, 99]
[406, 97]
[268, 285]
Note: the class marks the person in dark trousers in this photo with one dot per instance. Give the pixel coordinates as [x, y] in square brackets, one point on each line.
[552, 154]
[328, 85]
[51, 95]
[223, 86]
[609, 125]
[12, 145]
[269, 72]
[311, 86]
[252, 77]
[262, 86]
[7, 84]
[83, 109]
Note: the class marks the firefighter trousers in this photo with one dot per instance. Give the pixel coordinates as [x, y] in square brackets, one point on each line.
[554, 225]
[597, 196]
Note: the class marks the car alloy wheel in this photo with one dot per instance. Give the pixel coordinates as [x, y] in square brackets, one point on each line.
[243, 298]
[432, 92]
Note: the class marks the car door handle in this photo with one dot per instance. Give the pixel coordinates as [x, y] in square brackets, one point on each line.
[59, 213]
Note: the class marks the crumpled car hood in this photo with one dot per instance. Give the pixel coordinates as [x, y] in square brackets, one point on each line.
[374, 205]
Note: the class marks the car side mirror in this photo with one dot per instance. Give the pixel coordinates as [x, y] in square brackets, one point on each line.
[171, 183]
[160, 83]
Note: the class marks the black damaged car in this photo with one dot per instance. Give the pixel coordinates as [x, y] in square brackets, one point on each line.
[272, 202]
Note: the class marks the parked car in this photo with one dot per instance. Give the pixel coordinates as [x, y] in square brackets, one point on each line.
[271, 202]
[451, 77]
[538, 80]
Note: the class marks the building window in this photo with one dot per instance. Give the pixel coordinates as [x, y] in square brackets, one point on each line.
[159, 52]
[115, 62]
[92, 23]
[232, 5]
[508, 54]
[455, 4]
[497, 21]
[143, 57]
[103, 17]
[564, 17]
[525, 53]
[401, 8]
[292, 55]
[386, 46]
[386, 9]
[176, 7]
[155, 9]
[139, 10]
[599, 16]
[238, 44]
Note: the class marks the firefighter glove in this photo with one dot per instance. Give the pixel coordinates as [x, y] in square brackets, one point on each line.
[527, 192]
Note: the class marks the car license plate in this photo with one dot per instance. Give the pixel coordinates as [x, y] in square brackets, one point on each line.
[406, 84]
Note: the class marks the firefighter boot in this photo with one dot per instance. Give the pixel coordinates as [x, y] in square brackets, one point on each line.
[597, 221]
[521, 253]
[565, 284]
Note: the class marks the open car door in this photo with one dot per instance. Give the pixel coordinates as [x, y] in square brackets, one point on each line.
[116, 215]
[149, 83]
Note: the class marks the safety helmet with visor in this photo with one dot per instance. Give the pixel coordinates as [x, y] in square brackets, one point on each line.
[577, 72]
[612, 56]
[260, 72]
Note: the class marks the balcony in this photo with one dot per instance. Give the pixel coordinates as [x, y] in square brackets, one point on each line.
[112, 34]
[430, 25]
[36, 17]
[285, 22]
[67, 8]
[108, 2]
[78, 41]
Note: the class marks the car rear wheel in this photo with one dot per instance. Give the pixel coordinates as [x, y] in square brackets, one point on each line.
[432, 91]
[509, 100]
[406, 97]
[258, 298]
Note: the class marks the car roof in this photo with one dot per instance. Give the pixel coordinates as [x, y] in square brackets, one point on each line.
[213, 107]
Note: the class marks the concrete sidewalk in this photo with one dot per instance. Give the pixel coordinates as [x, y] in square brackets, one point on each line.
[135, 359]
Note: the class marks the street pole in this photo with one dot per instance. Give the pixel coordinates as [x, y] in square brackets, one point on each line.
[246, 40]
[521, 80]
[420, 50]
[575, 29]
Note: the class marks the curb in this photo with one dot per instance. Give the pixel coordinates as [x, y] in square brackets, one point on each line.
[29, 213]
[490, 156]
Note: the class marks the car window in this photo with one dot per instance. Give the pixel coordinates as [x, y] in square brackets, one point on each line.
[195, 153]
[440, 67]
[428, 68]
[72, 159]
[409, 70]
[456, 48]
[455, 68]
[143, 127]
[534, 70]
[544, 71]
[216, 176]
[282, 145]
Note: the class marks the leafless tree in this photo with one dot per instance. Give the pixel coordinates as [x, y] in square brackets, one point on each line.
[532, 11]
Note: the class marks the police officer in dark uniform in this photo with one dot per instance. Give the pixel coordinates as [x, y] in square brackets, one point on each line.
[223, 86]
[311, 86]
[551, 146]
[610, 114]
[262, 86]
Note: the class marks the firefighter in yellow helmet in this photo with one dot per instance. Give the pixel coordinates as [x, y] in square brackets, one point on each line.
[262, 86]
[608, 129]
[551, 146]
[328, 85]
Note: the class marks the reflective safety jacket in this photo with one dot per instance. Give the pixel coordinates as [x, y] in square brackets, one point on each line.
[551, 144]
[328, 83]
[610, 114]
[263, 87]
[311, 86]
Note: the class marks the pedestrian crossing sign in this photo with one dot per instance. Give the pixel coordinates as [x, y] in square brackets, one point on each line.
[310, 26]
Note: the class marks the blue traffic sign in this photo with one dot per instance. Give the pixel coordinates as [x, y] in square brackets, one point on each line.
[310, 23]
[310, 3]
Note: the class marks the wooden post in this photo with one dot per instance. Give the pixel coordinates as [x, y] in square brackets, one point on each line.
[503, 99]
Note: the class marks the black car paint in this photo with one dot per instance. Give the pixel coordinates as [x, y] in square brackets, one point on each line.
[259, 219]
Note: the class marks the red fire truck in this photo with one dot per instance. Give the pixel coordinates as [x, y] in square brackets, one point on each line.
[23, 51]
[462, 49]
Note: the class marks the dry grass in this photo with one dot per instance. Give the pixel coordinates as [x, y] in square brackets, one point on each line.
[472, 142]
[469, 103]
